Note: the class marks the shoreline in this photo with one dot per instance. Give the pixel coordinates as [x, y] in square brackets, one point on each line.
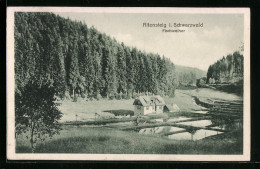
[104, 137]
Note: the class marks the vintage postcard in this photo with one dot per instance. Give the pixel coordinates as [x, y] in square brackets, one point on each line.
[130, 84]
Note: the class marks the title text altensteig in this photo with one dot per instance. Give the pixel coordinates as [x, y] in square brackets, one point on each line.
[163, 25]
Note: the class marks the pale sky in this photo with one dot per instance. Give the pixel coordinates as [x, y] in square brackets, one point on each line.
[220, 35]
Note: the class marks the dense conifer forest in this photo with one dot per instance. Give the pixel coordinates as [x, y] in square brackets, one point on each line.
[80, 61]
[229, 69]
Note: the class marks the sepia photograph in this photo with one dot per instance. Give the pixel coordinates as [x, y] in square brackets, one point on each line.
[156, 84]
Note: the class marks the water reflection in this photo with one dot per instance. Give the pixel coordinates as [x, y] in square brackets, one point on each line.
[195, 130]
[192, 132]
[199, 134]
[181, 134]
[199, 123]
[160, 130]
[226, 123]
[201, 112]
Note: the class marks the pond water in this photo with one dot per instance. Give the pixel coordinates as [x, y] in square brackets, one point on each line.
[200, 112]
[229, 126]
[219, 123]
[172, 119]
[160, 130]
[178, 133]
[181, 134]
[216, 125]
[199, 134]
[199, 123]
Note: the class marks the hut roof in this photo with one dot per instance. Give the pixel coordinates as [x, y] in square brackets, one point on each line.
[159, 100]
[169, 107]
[149, 100]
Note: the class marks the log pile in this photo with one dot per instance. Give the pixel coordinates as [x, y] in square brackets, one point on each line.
[231, 107]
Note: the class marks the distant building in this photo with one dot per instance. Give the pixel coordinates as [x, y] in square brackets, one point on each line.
[149, 104]
[168, 108]
[171, 108]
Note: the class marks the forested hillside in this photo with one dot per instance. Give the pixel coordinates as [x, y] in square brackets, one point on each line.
[229, 69]
[80, 61]
[188, 75]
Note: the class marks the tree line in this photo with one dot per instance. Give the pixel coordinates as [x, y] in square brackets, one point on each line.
[226, 69]
[78, 60]
[186, 78]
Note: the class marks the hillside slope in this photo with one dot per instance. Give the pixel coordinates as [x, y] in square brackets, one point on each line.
[185, 69]
[188, 75]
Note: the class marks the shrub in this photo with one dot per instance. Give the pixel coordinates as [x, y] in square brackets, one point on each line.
[118, 96]
[135, 95]
[98, 97]
[83, 95]
[90, 97]
[124, 96]
[75, 99]
[67, 95]
[128, 97]
[111, 97]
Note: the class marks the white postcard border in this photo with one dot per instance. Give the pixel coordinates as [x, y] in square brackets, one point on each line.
[11, 155]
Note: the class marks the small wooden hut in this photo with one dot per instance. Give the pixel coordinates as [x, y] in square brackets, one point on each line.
[149, 105]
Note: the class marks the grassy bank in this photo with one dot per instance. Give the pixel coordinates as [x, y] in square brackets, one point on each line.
[236, 88]
[185, 102]
[108, 141]
[86, 110]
